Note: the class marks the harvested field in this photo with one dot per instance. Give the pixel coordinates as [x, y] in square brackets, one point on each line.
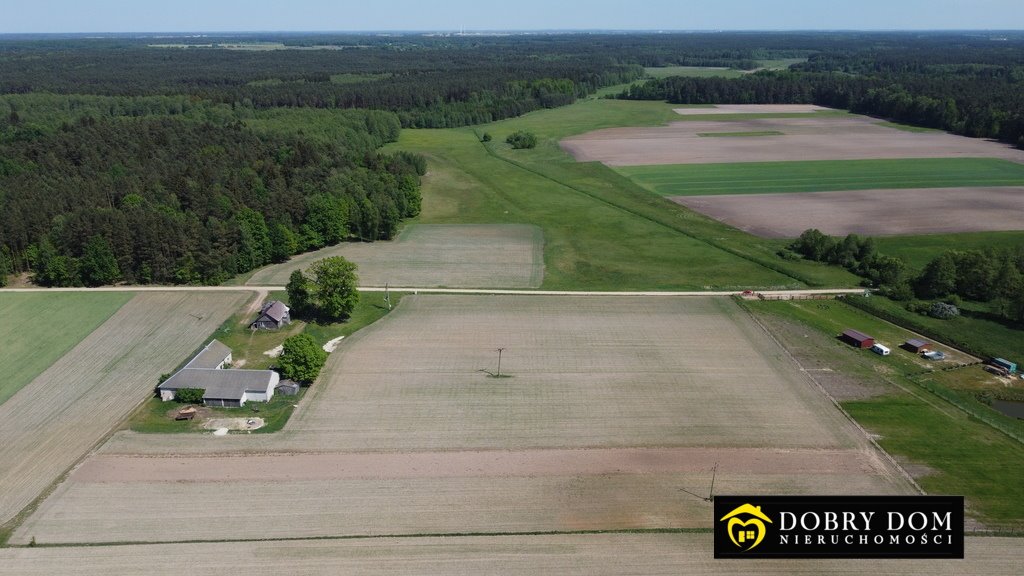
[750, 109]
[424, 255]
[811, 138]
[583, 554]
[54, 420]
[39, 328]
[869, 212]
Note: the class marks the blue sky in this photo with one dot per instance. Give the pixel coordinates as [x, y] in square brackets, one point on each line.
[21, 16]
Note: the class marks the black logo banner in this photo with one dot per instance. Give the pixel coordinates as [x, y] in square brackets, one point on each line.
[839, 527]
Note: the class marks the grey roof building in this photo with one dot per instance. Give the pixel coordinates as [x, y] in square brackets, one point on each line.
[273, 315]
[229, 388]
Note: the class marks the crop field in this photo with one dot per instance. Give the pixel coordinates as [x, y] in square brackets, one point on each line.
[749, 109]
[37, 329]
[824, 175]
[811, 138]
[55, 419]
[582, 554]
[454, 256]
[868, 212]
[606, 408]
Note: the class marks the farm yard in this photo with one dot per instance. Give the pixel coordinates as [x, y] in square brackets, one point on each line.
[867, 212]
[607, 408]
[453, 256]
[828, 137]
[70, 406]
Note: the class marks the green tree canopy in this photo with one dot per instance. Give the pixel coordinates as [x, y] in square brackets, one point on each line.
[98, 266]
[335, 283]
[301, 358]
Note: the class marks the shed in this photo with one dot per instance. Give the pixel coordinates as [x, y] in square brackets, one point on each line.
[1010, 367]
[857, 339]
[916, 345]
[288, 388]
[273, 315]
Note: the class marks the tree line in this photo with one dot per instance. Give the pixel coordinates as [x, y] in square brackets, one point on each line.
[993, 276]
[169, 200]
[976, 91]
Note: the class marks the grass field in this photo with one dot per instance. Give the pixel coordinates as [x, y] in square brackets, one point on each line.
[824, 175]
[918, 251]
[693, 71]
[453, 256]
[527, 555]
[739, 134]
[37, 329]
[951, 452]
[622, 237]
[75, 402]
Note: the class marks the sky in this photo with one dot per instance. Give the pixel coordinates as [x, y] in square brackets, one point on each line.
[65, 16]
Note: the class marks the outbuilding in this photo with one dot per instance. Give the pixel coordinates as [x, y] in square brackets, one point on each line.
[917, 346]
[1010, 367]
[221, 387]
[857, 339]
[273, 315]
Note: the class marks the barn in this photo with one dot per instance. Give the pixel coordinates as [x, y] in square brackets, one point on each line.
[221, 387]
[917, 346]
[857, 339]
[273, 315]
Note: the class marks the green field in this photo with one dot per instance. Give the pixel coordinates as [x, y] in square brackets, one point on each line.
[918, 251]
[39, 328]
[824, 175]
[962, 454]
[694, 72]
[618, 235]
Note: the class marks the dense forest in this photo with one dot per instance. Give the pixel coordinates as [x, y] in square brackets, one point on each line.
[972, 86]
[189, 160]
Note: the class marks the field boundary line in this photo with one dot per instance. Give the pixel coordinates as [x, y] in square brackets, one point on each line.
[416, 289]
[906, 475]
[375, 537]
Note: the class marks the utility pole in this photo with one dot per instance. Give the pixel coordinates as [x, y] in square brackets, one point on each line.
[387, 296]
[500, 350]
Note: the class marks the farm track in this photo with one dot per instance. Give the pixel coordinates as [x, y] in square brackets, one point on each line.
[58, 417]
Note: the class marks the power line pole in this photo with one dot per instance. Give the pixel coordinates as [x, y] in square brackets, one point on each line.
[500, 350]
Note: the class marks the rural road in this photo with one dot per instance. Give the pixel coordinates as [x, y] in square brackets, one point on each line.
[783, 293]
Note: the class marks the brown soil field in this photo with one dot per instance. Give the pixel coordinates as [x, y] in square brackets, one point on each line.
[613, 406]
[750, 109]
[811, 138]
[582, 554]
[869, 212]
[66, 410]
[432, 255]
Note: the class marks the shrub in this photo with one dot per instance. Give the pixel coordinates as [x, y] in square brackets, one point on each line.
[189, 395]
[522, 139]
[301, 358]
[486, 137]
[943, 311]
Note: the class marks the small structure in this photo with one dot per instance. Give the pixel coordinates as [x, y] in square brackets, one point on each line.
[1010, 367]
[935, 355]
[226, 388]
[916, 346]
[881, 350]
[186, 413]
[857, 339]
[273, 315]
[288, 388]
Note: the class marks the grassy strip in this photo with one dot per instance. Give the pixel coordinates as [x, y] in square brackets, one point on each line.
[37, 329]
[977, 336]
[966, 456]
[917, 251]
[693, 72]
[824, 175]
[739, 134]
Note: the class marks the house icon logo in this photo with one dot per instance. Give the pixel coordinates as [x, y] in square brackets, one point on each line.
[746, 526]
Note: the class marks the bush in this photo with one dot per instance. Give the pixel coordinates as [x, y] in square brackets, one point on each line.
[522, 139]
[189, 395]
[486, 137]
[943, 311]
[917, 307]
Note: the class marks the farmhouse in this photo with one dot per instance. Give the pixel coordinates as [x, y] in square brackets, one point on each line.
[273, 315]
[858, 339]
[227, 388]
[916, 345]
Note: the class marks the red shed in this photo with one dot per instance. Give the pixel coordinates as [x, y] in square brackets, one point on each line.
[858, 339]
[917, 345]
